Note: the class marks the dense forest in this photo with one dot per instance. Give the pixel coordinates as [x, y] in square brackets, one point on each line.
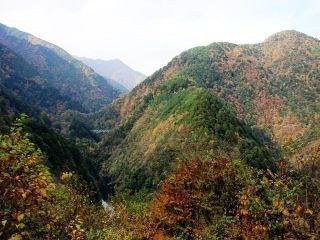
[222, 143]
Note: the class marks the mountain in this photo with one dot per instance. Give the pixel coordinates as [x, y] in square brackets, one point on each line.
[276, 78]
[249, 101]
[222, 143]
[172, 124]
[70, 77]
[115, 70]
[24, 90]
[20, 82]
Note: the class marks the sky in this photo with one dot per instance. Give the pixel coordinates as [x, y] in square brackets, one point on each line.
[147, 34]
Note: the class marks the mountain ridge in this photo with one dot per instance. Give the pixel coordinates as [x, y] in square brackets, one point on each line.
[25, 82]
[68, 75]
[268, 89]
[168, 71]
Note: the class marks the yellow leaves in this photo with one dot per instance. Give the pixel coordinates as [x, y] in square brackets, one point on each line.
[309, 212]
[42, 177]
[276, 203]
[51, 186]
[43, 192]
[66, 175]
[301, 222]
[32, 159]
[150, 150]
[285, 212]
[48, 226]
[287, 128]
[16, 237]
[279, 205]
[244, 199]
[20, 217]
[165, 126]
[260, 228]
[117, 233]
[75, 228]
[243, 212]
[20, 225]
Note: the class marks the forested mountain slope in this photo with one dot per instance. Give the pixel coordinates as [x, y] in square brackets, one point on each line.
[23, 90]
[174, 122]
[272, 90]
[68, 75]
[26, 84]
[273, 86]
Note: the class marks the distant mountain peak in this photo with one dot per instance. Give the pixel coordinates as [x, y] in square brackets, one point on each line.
[116, 70]
[114, 60]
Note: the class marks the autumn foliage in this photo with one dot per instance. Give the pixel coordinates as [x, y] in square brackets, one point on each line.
[33, 205]
[223, 199]
[25, 183]
[196, 195]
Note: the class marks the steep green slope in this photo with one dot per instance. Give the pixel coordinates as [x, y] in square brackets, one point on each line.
[171, 124]
[69, 76]
[273, 85]
[272, 89]
[62, 154]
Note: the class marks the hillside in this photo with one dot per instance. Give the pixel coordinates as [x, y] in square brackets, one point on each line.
[66, 74]
[115, 70]
[272, 86]
[219, 144]
[22, 81]
[23, 90]
[272, 89]
[173, 123]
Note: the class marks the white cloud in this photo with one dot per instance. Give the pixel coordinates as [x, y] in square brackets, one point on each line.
[146, 34]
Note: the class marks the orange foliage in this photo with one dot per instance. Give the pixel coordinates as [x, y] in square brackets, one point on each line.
[194, 194]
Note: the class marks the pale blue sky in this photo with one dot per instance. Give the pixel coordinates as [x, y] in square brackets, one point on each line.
[146, 34]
